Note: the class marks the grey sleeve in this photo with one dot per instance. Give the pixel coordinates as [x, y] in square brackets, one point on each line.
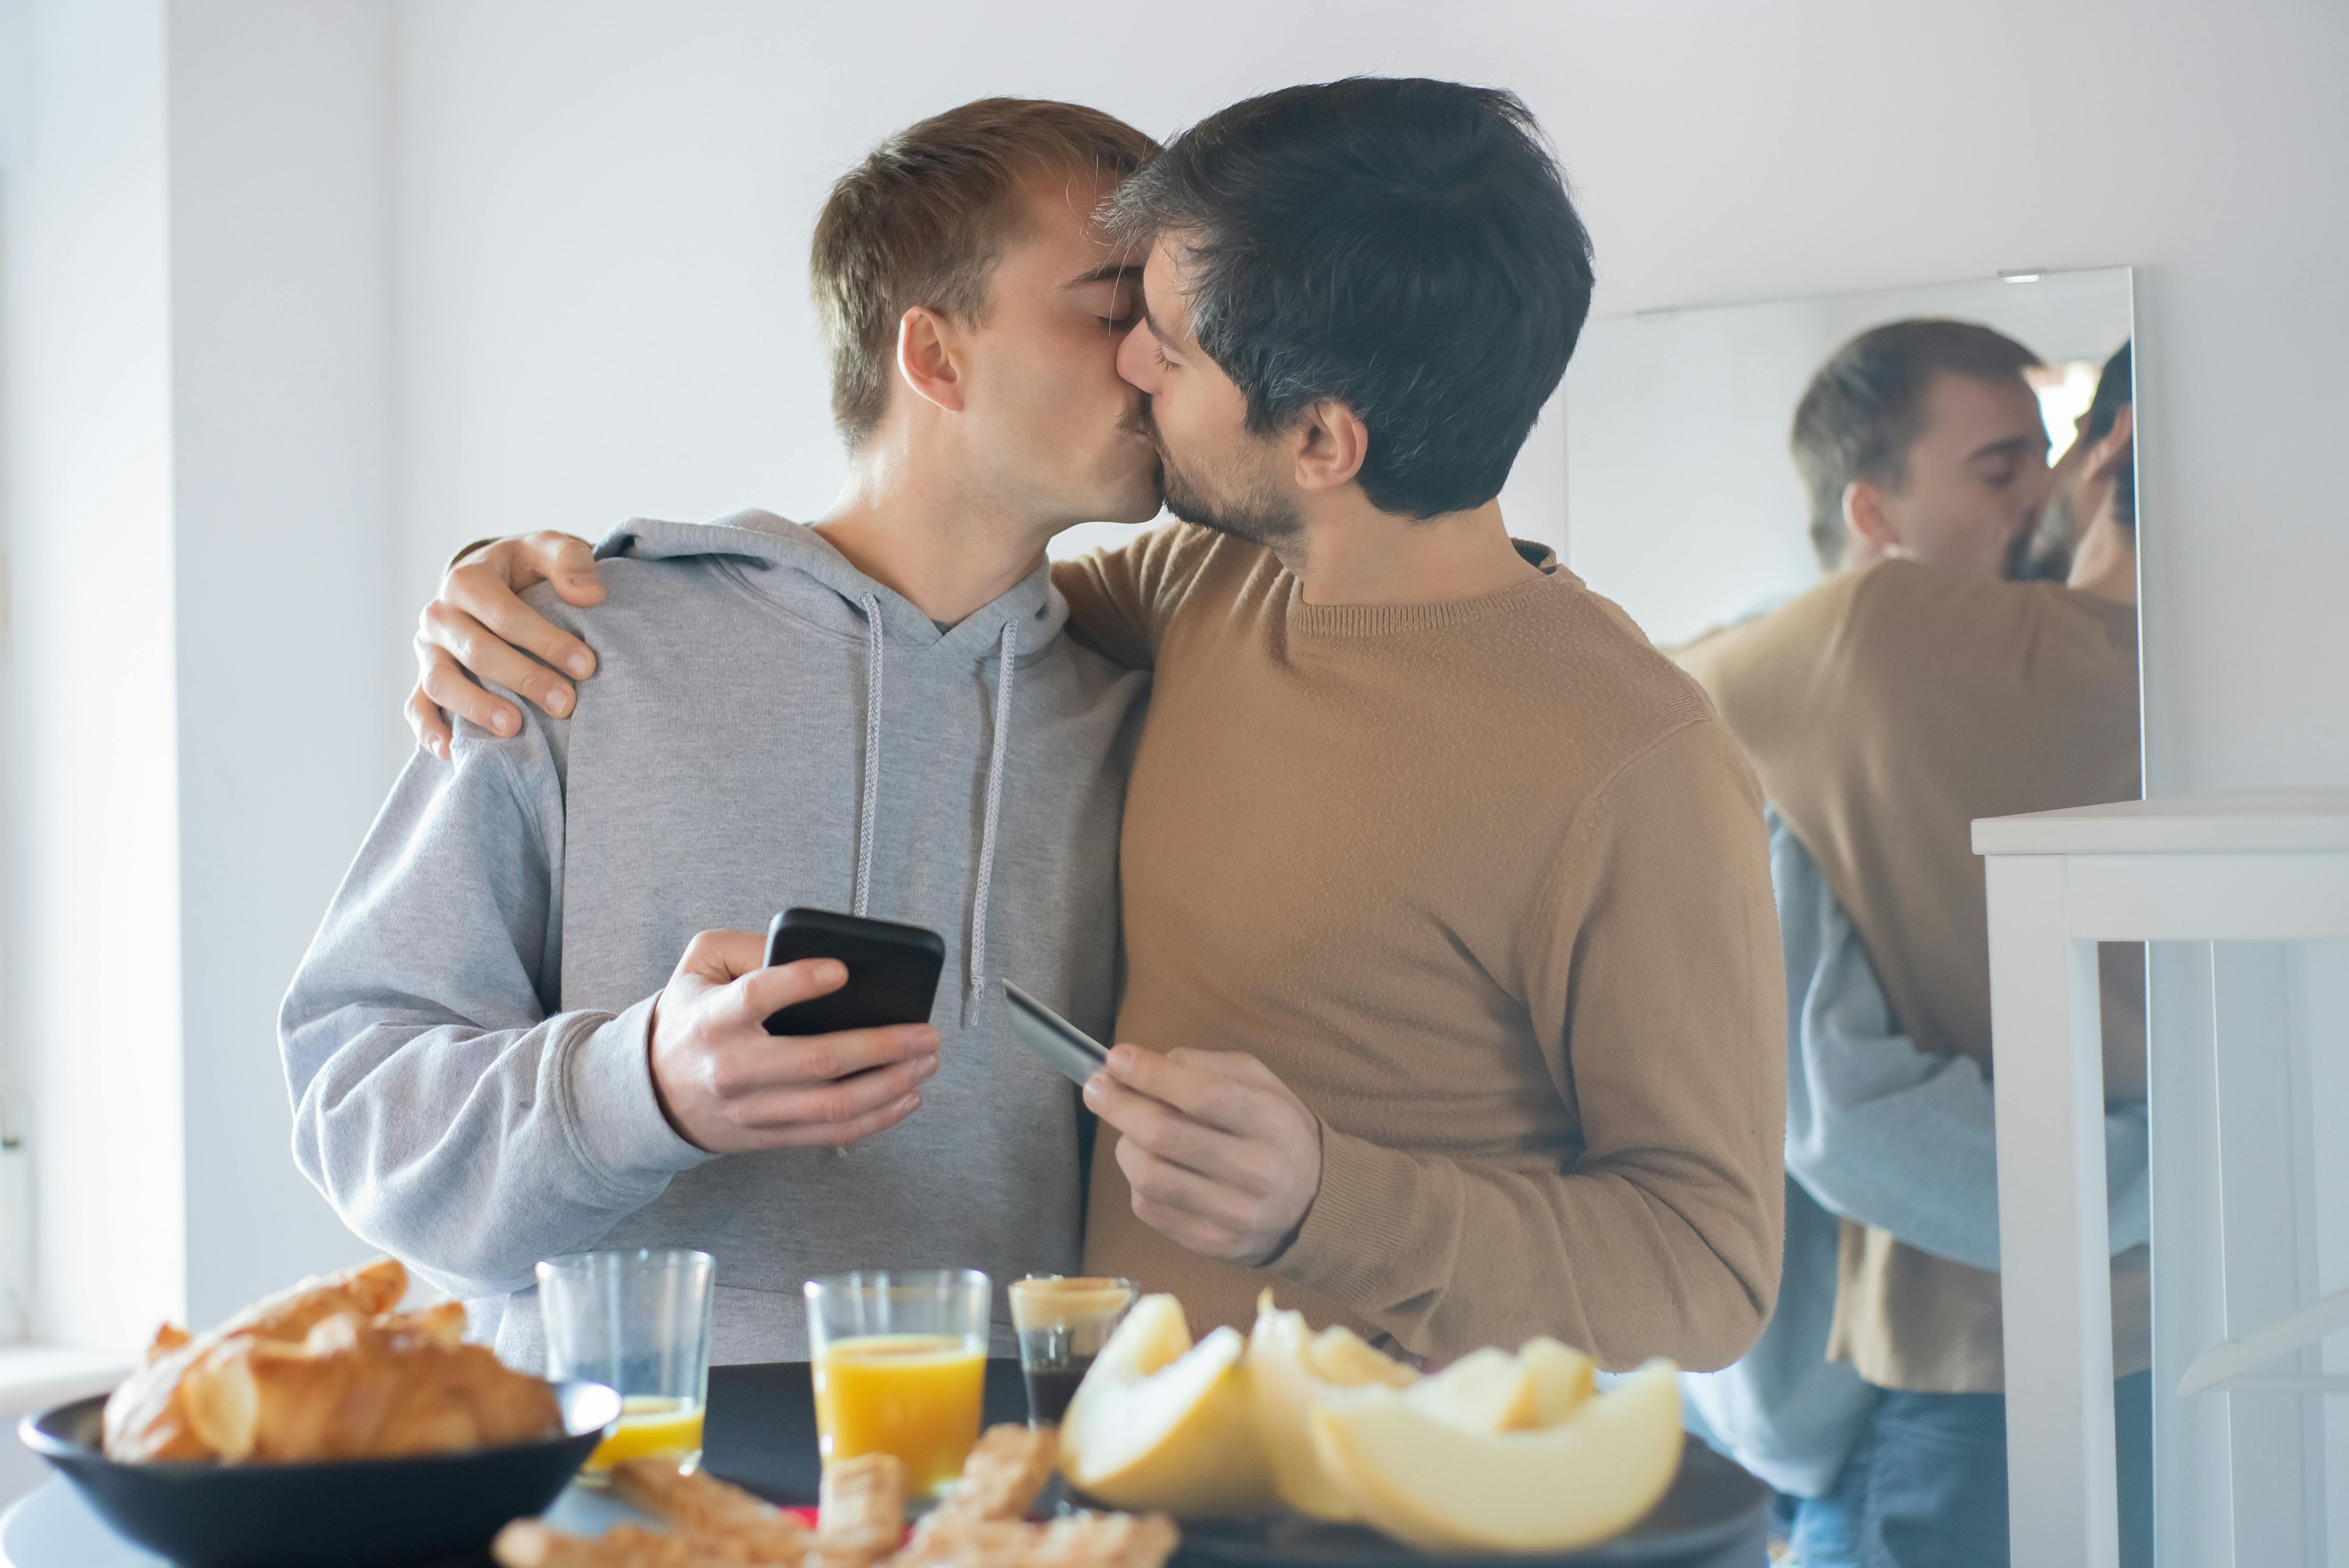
[1886, 1134]
[444, 1107]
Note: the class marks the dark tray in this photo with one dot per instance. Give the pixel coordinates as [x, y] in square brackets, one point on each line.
[1714, 1512]
[761, 1435]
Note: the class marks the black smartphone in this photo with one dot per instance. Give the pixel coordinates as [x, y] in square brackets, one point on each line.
[892, 971]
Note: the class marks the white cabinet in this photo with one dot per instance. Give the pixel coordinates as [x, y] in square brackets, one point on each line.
[2243, 871]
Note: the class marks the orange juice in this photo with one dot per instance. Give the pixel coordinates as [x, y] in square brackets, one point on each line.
[913, 1395]
[649, 1424]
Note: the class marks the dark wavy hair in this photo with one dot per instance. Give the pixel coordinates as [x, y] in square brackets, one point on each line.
[1402, 246]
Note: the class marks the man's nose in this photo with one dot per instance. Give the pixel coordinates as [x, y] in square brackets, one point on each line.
[1134, 358]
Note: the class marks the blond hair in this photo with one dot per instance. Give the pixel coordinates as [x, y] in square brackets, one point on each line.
[926, 217]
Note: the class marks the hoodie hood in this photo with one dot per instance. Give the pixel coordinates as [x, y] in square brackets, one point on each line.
[794, 566]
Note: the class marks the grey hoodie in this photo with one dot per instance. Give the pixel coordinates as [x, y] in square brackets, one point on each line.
[465, 1041]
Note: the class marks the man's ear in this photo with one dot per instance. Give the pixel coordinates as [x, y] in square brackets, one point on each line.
[1869, 521]
[929, 358]
[1331, 444]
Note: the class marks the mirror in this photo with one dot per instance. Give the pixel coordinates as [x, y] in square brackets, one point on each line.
[1682, 503]
[1893, 536]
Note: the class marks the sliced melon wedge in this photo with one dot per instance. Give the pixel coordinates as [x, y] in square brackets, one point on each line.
[1288, 1372]
[1161, 1423]
[1436, 1485]
[1344, 1359]
[1486, 1391]
[1563, 1378]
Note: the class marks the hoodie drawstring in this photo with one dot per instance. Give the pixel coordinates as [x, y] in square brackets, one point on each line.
[975, 997]
[871, 806]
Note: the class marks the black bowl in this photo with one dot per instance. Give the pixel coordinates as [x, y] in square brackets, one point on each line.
[352, 1513]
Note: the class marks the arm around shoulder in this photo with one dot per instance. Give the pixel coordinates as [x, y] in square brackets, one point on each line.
[1120, 600]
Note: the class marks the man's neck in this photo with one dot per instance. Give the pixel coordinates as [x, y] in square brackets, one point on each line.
[1353, 553]
[926, 532]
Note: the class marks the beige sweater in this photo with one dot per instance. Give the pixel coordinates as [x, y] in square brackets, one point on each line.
[1485, 883]
[1885, 710]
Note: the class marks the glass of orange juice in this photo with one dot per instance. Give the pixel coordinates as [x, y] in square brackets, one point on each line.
[899, 1361]
[639, 1320]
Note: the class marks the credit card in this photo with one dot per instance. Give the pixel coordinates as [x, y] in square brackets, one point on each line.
[1066, 1049]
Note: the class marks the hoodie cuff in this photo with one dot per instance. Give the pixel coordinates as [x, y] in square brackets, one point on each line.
[616, 1114]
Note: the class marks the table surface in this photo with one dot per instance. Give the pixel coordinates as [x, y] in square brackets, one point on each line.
[759, 1432]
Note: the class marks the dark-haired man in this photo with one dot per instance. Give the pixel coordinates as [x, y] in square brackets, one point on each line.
[1452, 986]
[1884, 711]
[495, 1050]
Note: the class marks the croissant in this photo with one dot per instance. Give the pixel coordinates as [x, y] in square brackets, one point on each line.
[146, 1417]
[363, 1389]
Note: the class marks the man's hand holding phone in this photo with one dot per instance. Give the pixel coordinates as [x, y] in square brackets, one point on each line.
[731, 1088]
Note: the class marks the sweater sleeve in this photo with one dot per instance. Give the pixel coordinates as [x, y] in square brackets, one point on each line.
[1883, 1133]
[1120, 600]
[1654, 983]
[449, 1113]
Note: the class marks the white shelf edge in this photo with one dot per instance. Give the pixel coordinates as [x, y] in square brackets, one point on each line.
[35, 1377]
[2283, 821]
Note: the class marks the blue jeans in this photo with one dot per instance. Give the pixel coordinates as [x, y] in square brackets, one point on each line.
[1927, 1485]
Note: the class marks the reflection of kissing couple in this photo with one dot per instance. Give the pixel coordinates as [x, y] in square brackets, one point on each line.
[1915, 689]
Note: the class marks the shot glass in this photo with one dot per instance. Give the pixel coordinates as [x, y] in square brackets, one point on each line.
[1062, 1324]
[899, 1362]
[638, 1320]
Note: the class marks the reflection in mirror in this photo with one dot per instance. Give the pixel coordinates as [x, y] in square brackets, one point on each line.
[1893, 536]
[1683, 502]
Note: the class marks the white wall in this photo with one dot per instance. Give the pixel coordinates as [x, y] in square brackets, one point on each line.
[93, 750]
[281, 357]
[203, 674]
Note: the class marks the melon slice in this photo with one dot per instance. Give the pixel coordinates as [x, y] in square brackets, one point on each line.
[1288, 1373]
[1563, 1378]
[1344, 1359]
[1436, 1485]
[1486, 1391]
[1163, 1424]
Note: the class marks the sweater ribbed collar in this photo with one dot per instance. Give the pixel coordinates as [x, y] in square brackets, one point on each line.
[1385, 620]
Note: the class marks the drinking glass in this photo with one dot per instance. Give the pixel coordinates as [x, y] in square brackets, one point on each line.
[638, 1320]
[1062, 1324]
[899, 1362]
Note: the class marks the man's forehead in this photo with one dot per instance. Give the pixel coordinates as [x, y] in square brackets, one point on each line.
[1115, 271]
[1953, 398]
[1058, 236]
[1163, 304]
